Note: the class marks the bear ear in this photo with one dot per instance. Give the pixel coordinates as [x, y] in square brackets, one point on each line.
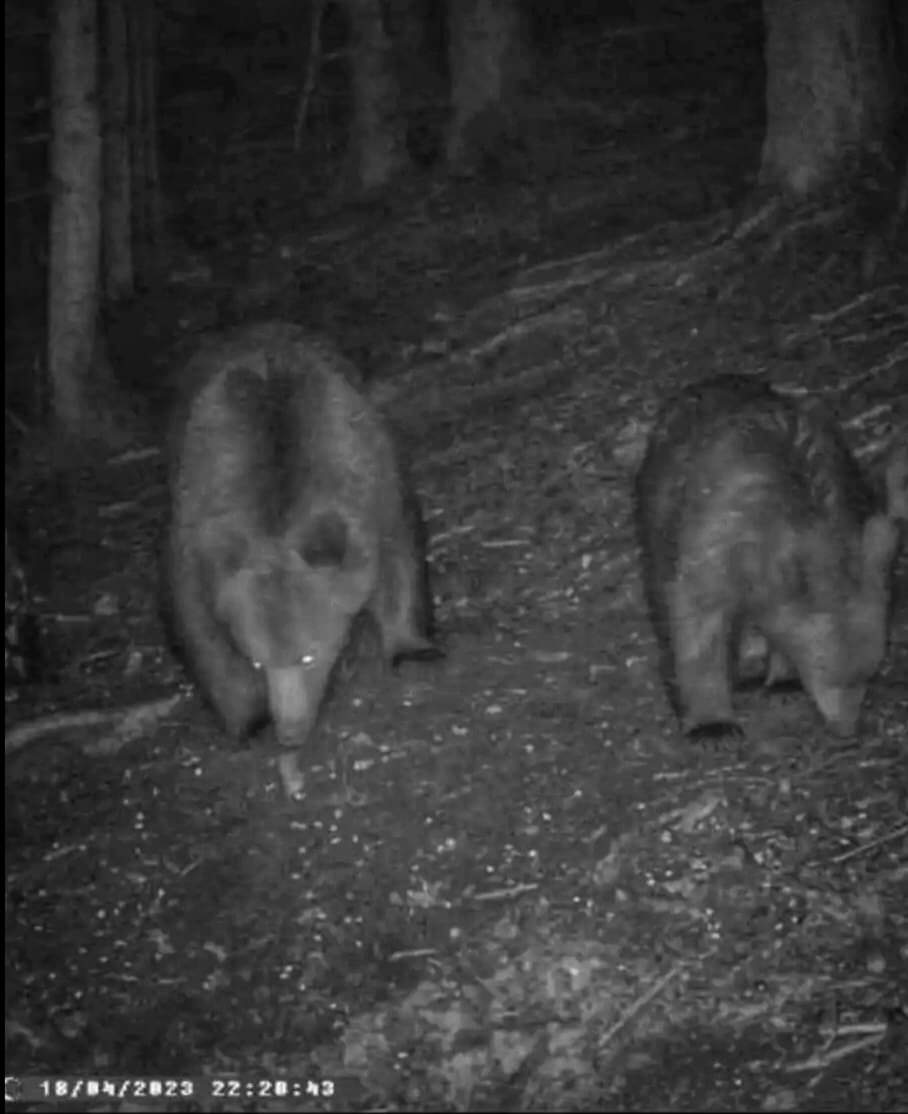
[326, 541]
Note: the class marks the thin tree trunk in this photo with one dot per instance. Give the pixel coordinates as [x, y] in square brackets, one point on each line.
[423, 84]
[117, 206]
[488, 61]
[75, 232]
[149, 68]
[148, 216]
[407, 31]
[830, 88]
[377, 150]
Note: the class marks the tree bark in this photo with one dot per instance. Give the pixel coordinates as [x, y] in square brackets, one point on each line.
[489, 63]
[830, 89]
[377, 150]
[117, 205]
[148, 213]
[419, 65]
[75, 226]
[407, 30]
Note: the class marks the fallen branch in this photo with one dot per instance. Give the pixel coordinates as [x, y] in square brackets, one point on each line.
[129, 723]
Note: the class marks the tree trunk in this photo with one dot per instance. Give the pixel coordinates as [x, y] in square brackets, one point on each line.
[830, 88]
[75, 226]
[117, 205]
[489, 63]
[419, 67]
[148, 215]
[888, 243]
[377, 151]
[408, 33]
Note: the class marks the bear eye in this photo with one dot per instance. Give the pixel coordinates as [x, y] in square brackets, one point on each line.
[257, 666]
[307, 659]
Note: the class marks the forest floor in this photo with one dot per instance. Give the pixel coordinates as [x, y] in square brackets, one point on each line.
[507, 883]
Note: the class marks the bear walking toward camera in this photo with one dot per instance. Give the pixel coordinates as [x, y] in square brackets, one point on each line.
[289, 516]
[755, 521]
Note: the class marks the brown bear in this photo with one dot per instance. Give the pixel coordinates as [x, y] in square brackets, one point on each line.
[290, 515]
[756, 523]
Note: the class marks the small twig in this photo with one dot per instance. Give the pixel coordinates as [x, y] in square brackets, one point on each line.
[130, 456]
[818, 1063]
[644, 1000]
[865, 847]
[313, 67]
[412, 953]
[753, 221]
[507, 892]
